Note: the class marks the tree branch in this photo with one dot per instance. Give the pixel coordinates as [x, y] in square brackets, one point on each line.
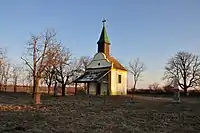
[27, 63]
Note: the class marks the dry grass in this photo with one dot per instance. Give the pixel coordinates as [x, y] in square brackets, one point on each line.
[90, 114]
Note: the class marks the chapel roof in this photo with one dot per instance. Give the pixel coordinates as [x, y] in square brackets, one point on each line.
[116, 63]
[91, 76]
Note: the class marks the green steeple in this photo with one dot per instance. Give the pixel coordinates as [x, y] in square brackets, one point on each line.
[103, 37]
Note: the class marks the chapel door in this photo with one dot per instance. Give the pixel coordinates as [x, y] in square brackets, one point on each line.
[98, 91]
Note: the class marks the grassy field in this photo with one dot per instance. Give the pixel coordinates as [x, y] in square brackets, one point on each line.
[84, 114]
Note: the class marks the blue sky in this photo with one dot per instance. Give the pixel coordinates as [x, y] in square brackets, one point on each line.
[151, 30]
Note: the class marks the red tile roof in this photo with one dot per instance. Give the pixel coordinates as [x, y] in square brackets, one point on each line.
[116, 63]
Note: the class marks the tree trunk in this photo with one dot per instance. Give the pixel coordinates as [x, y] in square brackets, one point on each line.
[15, 88]
[37, 93]
[63, 89]
[75, 89]
[88, 91]
[5, 87]
[55, 89]
[185, 84]
[133, 90]
[49, 87]
[185, 91]
[34, 86]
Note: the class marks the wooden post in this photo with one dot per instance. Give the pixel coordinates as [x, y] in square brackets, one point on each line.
[109, 84]
[88, 91]
[75, 88]
[108, 88]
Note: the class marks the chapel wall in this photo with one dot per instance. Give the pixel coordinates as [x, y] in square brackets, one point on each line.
[116, 87]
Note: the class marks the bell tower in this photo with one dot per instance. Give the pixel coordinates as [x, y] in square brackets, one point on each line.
[104, 43]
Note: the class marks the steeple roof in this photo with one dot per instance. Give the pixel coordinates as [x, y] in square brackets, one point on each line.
[104, 36]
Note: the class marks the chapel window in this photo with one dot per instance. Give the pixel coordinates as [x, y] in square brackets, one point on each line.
[119, 78]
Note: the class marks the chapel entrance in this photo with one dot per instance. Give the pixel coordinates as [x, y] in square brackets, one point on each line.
[97, 82]
[98, 89]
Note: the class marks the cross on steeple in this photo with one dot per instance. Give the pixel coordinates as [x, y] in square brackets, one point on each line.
[104, 21]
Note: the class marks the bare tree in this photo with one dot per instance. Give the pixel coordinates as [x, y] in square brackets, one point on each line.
[85, 60]
[136, 68]
[63, 71]
[49, 76]
[67, 69]
[38, 51]
[186, 67]
[23, 75]
[15, 75]
[1, 68]
[6, 74]
[50, 71]
[4, 70]
[154, 86]
[29, 80]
